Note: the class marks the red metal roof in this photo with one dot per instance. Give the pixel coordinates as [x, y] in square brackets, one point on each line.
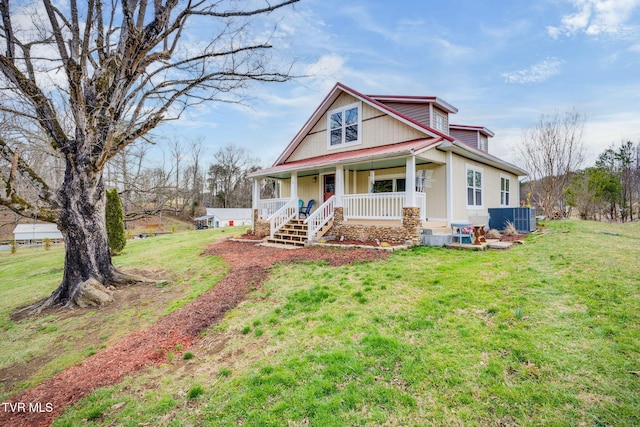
[332, 96]
[353, 156]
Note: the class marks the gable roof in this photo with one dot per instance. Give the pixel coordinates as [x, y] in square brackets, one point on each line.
[339, 88]
[403, 99]
[438, 139]
[36, 228]
[480, 129]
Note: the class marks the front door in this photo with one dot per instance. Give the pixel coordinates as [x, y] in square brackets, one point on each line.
[329, 186]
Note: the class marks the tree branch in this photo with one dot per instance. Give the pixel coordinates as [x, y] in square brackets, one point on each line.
[11, 199]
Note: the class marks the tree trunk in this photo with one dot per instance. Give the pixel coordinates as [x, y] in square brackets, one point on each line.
[82, 221]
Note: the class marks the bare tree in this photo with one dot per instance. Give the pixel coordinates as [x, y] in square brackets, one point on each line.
[228, 176]
[195, 176]
[176, 159]
[124, 172]
[550, 151]
[96, 76]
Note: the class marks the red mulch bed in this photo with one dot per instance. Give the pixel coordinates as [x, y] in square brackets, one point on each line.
[248, 265]
[512, 238]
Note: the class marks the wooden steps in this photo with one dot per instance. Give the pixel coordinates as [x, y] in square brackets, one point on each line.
[293, 233]
[324, 229]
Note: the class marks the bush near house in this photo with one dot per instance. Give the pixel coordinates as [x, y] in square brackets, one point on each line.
[115, 222]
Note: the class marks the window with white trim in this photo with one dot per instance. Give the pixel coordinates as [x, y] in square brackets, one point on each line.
[474, 187]
[483, 143]
[505, 190]
[389, 185]
[344, 126]
[440, 122]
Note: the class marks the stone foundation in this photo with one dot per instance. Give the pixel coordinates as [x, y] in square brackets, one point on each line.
[261, 227]
[408, 232]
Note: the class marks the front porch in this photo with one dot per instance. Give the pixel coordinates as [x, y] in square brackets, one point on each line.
[362, 217]
[383, 199]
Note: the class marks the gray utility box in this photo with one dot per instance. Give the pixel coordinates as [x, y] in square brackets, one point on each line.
[524, 219]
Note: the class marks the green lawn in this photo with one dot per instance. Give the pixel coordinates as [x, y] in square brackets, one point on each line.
[36, 348]
[544, 334]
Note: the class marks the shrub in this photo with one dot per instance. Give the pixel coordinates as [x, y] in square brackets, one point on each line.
[115, 222]
[493, 234]
[47, 243]
[510, 229]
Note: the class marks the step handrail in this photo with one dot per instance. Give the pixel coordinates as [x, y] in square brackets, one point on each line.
[320, 217]
[283, 215]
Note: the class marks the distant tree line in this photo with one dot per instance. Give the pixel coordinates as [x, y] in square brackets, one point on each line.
[553, 152]
[610, 190]
[186, 180]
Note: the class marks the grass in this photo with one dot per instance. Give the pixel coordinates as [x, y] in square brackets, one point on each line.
[41, 346]
[544, 334]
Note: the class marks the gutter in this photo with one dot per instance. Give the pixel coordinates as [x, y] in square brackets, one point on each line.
[474, 154]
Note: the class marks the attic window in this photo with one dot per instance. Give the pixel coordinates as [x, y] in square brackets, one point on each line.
[483, 143]
[344, 125]
[441, 122]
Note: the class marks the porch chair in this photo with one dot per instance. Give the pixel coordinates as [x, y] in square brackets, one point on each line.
[306, 210]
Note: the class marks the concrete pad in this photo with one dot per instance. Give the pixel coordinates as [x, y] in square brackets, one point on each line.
[279, 246]
[500, 245]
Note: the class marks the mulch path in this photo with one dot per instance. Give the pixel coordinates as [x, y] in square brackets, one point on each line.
[248, 267]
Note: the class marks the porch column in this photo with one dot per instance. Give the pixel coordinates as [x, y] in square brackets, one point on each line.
[410, 187]
[346, 182]
[355, 182]
[339, 185]
[449, 174]
[256, 194]
[372, 179]
[294, 184]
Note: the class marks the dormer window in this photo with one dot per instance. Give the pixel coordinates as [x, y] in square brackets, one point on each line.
[440, 122]
[344, 126]
[483, 143]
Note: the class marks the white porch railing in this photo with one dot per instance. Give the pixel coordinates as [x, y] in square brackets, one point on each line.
[283, 215]
[267, 207]
[379, 205]
[320, 217]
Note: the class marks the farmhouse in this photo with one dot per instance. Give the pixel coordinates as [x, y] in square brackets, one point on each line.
[36, 232]
[224, 217]
[382, 167]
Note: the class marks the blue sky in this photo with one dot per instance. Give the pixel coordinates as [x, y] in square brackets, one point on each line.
[501, 63]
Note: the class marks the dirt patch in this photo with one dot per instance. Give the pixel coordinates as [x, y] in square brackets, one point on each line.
[123, 296]
[376, 243]
[248, 266]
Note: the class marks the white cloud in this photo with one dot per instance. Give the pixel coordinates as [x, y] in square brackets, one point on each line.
[330, 65]
[537, 73]
[596, 17]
